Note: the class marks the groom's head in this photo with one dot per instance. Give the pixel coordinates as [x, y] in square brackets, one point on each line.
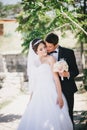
[52, 42]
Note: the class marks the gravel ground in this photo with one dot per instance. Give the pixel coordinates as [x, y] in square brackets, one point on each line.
[10, 115]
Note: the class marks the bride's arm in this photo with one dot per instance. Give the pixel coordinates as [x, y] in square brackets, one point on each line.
[57, 84]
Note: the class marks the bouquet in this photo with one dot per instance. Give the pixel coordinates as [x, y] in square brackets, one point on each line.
[60, 66]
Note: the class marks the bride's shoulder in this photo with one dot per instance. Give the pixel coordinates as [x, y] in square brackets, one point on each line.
[51, 58]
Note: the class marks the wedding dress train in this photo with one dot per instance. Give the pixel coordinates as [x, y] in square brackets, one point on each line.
[42, 112]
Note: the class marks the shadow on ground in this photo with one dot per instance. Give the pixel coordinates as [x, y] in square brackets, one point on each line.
[8, 118]
[80, 120]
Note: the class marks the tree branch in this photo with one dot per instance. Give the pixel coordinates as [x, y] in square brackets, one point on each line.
[63, 13]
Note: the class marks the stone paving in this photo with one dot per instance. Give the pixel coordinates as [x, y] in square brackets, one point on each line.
[11, 114]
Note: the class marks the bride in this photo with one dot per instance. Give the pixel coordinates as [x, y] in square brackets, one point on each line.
[47, 109]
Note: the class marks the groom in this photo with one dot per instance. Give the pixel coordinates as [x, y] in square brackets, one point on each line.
[68, 84]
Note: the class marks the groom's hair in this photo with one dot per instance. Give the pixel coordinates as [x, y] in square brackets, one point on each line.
[52, 38]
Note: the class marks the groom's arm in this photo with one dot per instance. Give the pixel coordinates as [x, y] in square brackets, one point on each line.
[73, 69]
[71, 60]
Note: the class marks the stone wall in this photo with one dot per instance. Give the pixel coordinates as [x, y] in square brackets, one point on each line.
[18, 62]
[1, 63]
[15, 62]
[13, 71]
[78, 59]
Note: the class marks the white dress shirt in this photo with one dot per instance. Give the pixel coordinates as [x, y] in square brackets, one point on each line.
[55, 54]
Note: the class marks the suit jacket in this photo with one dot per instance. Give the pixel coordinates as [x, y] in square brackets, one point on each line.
[68, 85]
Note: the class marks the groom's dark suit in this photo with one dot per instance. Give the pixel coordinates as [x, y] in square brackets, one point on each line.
[68, 85]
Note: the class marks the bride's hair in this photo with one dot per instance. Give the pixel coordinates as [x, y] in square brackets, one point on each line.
[36, 42]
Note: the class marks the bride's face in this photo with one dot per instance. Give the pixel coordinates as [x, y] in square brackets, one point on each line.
[42, 50]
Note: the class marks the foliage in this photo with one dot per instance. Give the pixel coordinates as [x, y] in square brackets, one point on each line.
[2, 10]
[81, 10]
[9, 10]
[39, 17]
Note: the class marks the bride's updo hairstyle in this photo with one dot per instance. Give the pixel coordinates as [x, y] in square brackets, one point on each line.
[36, 42]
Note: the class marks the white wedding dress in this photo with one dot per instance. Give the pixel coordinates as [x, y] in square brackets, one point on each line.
[42, 112]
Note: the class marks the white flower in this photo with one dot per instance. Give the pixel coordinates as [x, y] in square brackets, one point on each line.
[60, 66]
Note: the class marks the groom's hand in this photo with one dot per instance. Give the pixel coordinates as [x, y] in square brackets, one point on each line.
[64, 74]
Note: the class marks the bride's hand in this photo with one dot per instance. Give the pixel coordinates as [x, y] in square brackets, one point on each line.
[60, 102]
